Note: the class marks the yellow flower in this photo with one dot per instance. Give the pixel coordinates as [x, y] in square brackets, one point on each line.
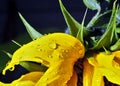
[58, 51]
[100, 65]
[91, 77]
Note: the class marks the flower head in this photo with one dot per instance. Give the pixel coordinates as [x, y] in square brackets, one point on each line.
[101, 65]
[58, 51]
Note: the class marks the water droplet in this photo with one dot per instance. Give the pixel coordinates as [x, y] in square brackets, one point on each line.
[66, 51]
[81, 52]
[50, 56]
[45, 79]
[39, 49]
[38, 59]
[53, 45]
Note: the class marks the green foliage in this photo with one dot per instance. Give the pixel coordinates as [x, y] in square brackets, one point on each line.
[93, 42]
[92, 4]
[118, 16]
[76, 29]
[110, 34]
[32, 32]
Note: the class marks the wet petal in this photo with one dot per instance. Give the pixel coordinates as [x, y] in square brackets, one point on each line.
[91, 76]
[58, 51]
[29, 79]
[106, 65]
[73, 80]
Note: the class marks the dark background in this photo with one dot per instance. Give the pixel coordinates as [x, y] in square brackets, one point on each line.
[44, 15]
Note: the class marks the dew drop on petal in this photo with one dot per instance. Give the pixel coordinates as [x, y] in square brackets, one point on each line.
[39, 49]
[80, 51]
[50, 56]
[66, 51]
[53, 45]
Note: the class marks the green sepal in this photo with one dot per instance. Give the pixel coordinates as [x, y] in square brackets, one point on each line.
[16, 43]
[118, 16]
[82, 32]
[74, 26]
[32, 32]
[30, 66]
[110, 35]
[116, 46]
[100, 21]
[92, 4]
[118, 30]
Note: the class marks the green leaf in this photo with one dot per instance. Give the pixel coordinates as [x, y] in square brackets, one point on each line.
[100, 21]
[110, 34]
[16, 43]
[92, 4]
[30, 66]
[72, 24]
[8, 54]
[118, 30]
[118, 16]
[32, 32]
[82, 31]
[108, 1]
[3, 60]
[116, 46]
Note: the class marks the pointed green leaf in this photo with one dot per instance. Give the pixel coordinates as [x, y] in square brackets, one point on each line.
[80, 34]
[16, 43]
[110, 34]
[118, 16]
[8, 54]
[92, 4]
[93, 20]
[116, 46]
[30, 66]
[72, 24]
[108, 1]
[32, 32]
[100, 21]
[118, 30]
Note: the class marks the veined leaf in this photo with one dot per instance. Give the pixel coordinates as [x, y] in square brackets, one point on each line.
[92, 4]
[32, 32]
[72, 24]
[110, 34]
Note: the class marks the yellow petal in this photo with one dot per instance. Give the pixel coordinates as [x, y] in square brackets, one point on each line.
[105, 65]
[87, 74]
[29, 79]
[73, 80]
[97, 79]
[58, 51]
[57, 75]
[91, 76]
